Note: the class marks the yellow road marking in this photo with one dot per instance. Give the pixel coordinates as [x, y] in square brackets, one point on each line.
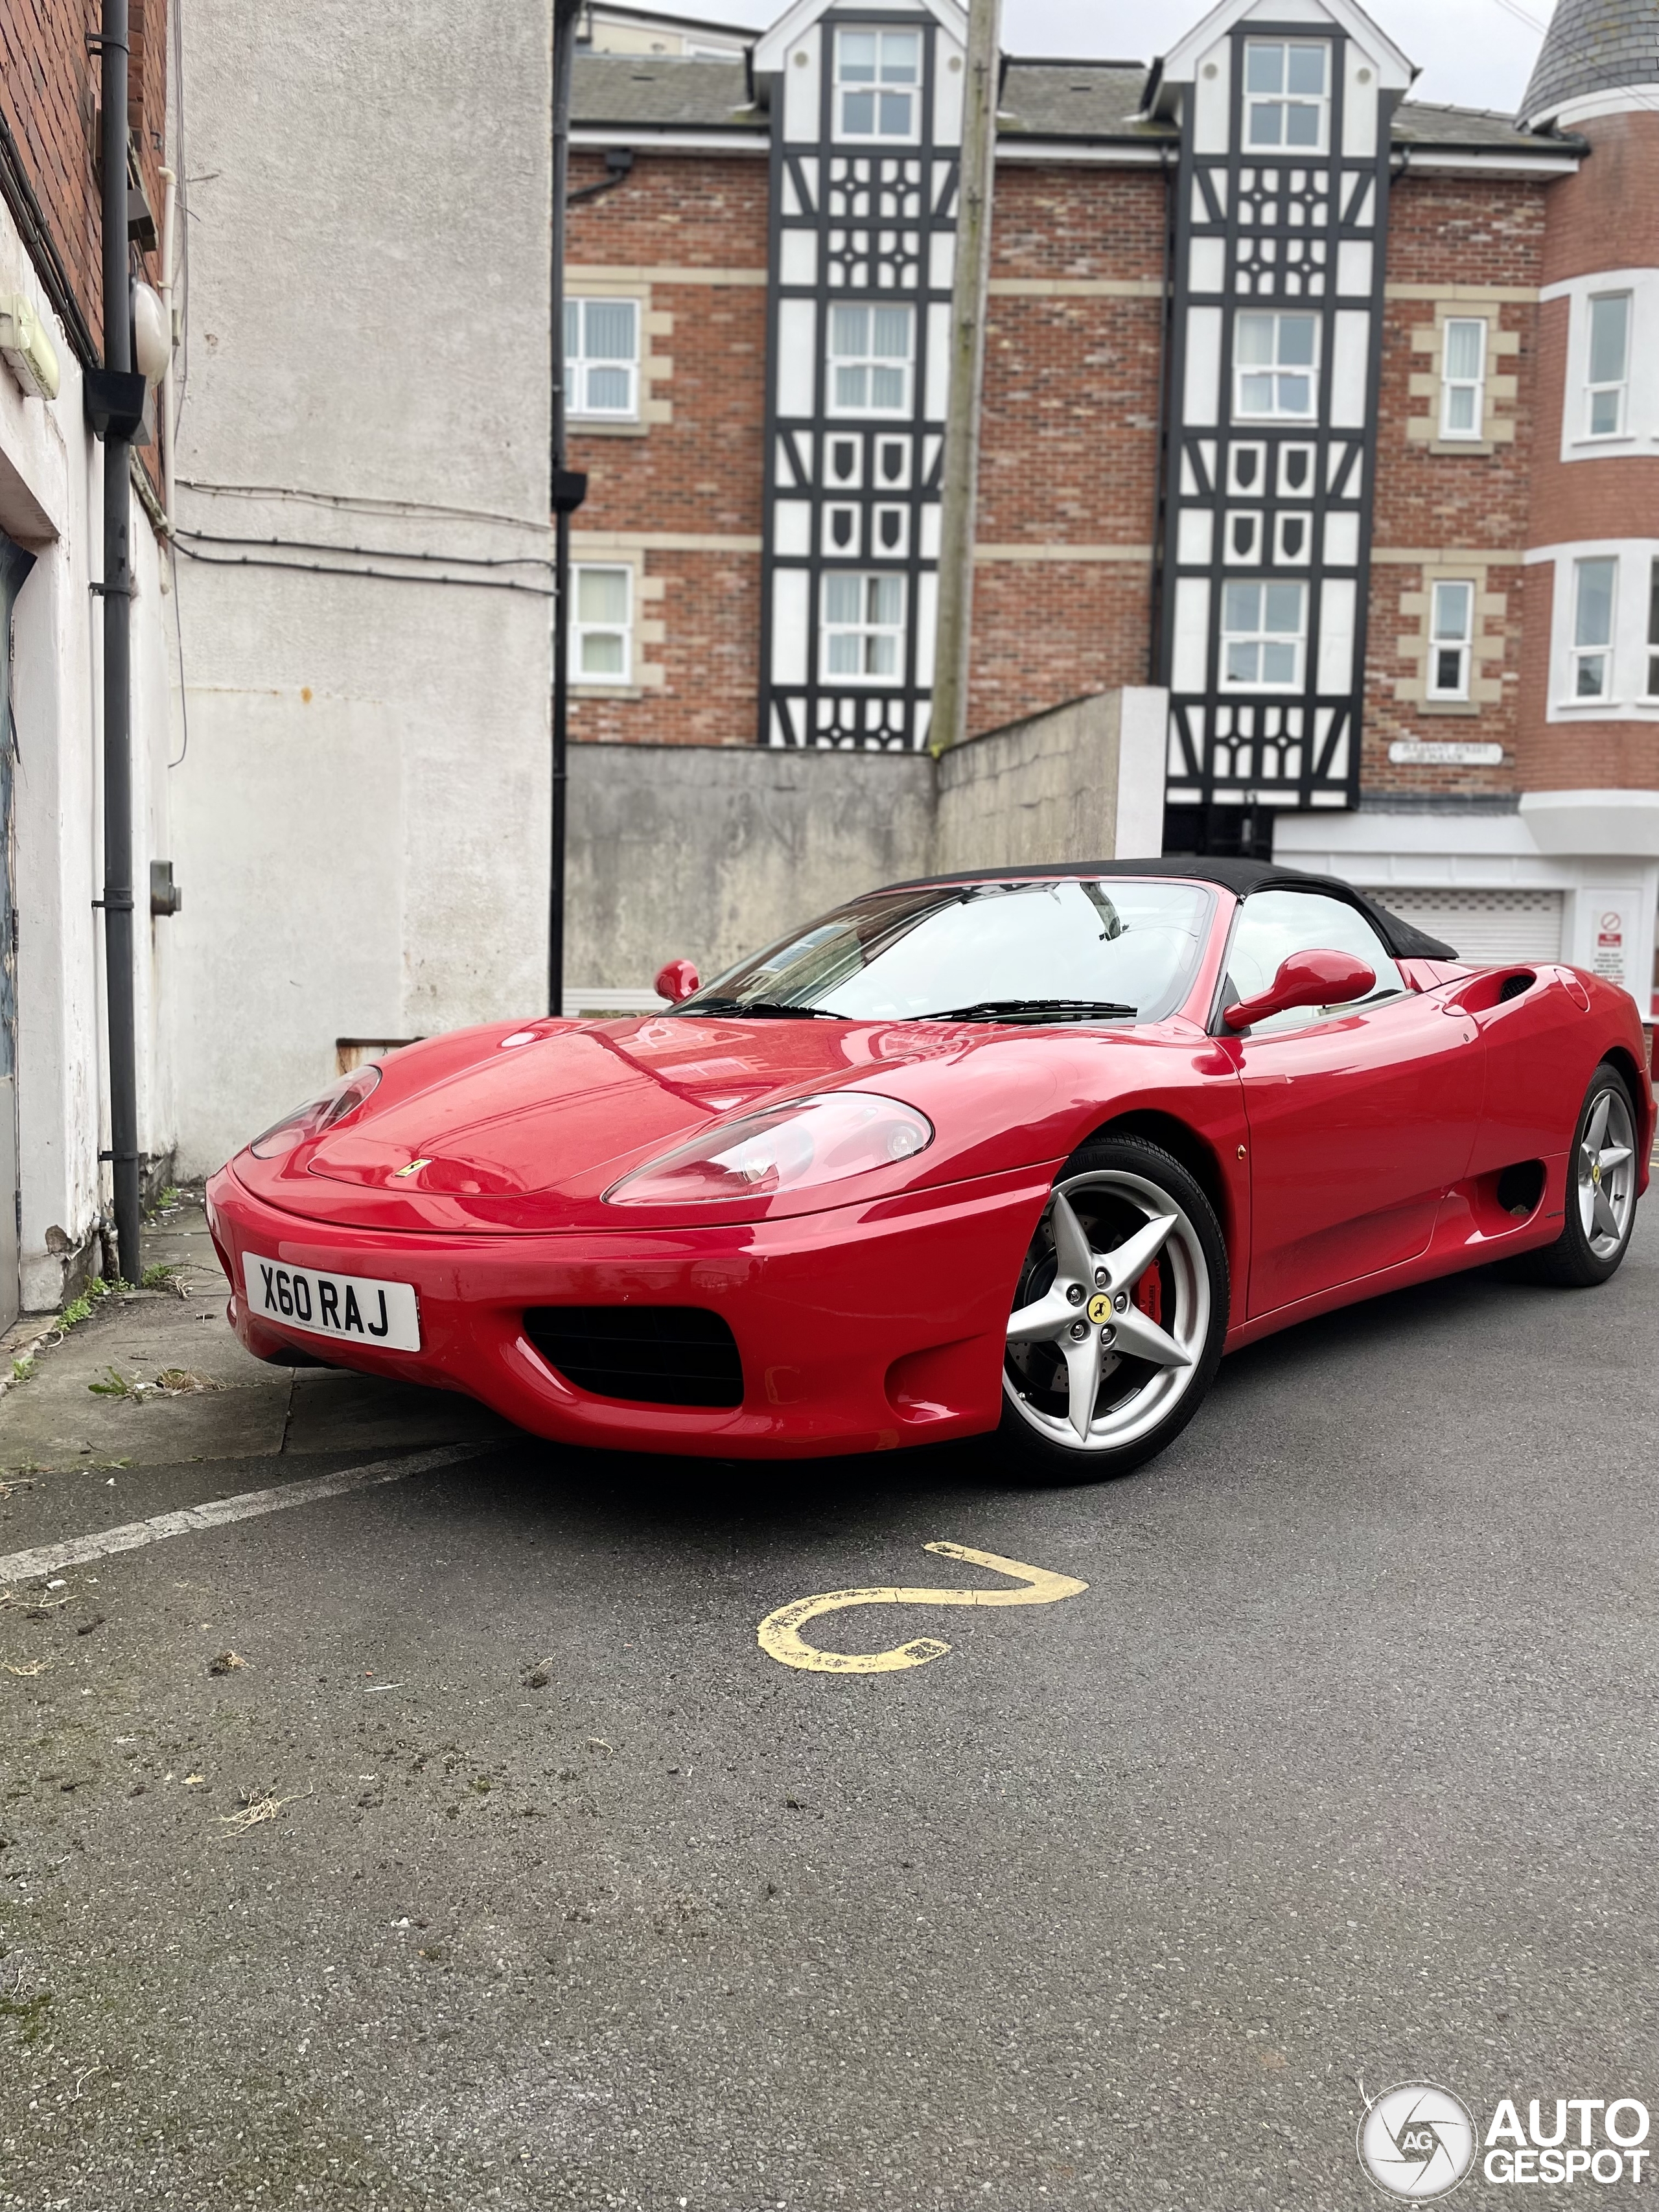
[780, 1632]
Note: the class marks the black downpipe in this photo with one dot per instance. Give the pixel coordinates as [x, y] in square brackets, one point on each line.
[567, 489]
[118, 943]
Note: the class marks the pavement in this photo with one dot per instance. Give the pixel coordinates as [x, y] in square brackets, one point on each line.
[442, 1835]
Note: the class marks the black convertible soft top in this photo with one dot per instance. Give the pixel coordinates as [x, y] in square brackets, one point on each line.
[1239, 876]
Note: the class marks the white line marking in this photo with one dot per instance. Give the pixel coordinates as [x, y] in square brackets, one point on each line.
[22, 1565]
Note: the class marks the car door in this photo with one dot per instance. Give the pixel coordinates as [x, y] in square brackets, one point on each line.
[1360, 1117]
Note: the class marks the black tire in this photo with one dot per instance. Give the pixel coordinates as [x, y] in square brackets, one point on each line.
[1580, 1259]
[1116, 1190]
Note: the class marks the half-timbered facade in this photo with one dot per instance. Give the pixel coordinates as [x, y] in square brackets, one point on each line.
[865, 152]
[1275, 342]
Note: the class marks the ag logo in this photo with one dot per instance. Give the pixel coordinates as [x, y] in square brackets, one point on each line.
[1417, 2141]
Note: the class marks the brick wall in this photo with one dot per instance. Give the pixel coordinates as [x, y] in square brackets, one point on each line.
[49, 94]
[1068, 449]
[1573, 755]
[699, 474]
[1045, 632]
[1606, 216]
[1457, 246]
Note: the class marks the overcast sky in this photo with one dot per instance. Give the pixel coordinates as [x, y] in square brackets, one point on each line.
[1476, 54]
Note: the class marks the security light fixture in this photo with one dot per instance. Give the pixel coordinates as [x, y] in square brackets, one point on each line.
[28, 349]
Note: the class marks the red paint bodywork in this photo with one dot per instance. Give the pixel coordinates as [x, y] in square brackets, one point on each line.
[1355, 1156]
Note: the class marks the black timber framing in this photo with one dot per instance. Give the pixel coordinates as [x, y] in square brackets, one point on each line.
[1204, 770]
[801, 451]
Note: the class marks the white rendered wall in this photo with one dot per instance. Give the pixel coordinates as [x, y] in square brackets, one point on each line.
[363, 816]
[51, 501]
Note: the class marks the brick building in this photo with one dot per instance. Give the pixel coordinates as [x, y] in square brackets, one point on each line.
[53, 1114]
[1303, 399]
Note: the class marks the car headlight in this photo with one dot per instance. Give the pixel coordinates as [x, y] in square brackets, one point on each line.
[317, 1114]
[794, 1146]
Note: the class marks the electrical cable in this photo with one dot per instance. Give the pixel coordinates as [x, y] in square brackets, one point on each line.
[178, 633]
[369, 552]
[383, 575]
[360, 502]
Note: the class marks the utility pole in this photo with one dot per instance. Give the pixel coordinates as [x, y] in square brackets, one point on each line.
[117, 588]
[569, 488]
[960, 471]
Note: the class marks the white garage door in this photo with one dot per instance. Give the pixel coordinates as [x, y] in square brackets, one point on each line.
[1483, 926]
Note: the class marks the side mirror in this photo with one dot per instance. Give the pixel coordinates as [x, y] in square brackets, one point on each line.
[677, 981]
[1306, 979]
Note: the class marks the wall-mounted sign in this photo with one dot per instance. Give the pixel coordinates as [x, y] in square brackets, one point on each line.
[1430, 752]
[1609, 959]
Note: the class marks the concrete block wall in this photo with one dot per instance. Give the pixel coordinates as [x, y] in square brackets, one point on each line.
[1082, 782]
[708, 854]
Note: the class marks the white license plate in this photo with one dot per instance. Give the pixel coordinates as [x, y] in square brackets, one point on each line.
[358, 1308]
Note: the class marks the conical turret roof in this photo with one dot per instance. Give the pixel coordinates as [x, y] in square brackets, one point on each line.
[1591, 47]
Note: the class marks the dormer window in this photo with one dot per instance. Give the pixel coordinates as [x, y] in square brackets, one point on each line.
[877, 76]
[1286, 93]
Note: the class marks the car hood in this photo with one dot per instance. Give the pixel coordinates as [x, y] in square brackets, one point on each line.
[526, 1129]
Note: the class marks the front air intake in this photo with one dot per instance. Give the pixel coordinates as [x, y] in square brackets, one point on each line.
[652, 1355]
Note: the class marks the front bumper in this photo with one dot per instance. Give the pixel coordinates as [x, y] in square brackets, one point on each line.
[860, 1329]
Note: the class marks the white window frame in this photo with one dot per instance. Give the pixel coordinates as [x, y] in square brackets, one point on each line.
[865, 629]
[1618, 385]
[1443, 639]
[609, 678]
[579, 365]
[1262, 636]
[1285, 101]
[868, 361]
[1475, 384]
[1579, 651]
[1275, 369]
[875, 86]
[1652, 657]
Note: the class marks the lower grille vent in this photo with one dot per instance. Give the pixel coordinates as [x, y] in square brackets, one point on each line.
[653, 1355]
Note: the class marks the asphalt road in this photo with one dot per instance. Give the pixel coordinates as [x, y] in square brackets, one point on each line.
[1341, 1769]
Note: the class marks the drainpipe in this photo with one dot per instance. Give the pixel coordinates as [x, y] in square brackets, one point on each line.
[568, 488]
[118, 946]
[170, 182]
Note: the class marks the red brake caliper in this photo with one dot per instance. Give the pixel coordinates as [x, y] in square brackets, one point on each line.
[1149, 1295]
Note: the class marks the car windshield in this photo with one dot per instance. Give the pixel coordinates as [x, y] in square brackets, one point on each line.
[1063, 950]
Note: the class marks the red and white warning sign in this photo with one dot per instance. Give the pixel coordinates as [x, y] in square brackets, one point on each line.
[1610, 945]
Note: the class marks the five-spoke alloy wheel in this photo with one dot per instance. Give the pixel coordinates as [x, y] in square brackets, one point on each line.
[1119, 1315]
[1602, 1178]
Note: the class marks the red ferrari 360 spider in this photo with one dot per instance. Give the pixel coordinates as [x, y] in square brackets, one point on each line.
[1024, 1150]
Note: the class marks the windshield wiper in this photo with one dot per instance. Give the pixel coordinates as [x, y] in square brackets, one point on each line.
[1035, 1011]
[766, 1009]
